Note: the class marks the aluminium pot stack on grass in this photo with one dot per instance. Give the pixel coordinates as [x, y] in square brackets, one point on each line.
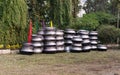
[37, 43]
[68, 35]
[50, 40]
[86, 46]
[93, 39]
[77, 44]
[60, 40]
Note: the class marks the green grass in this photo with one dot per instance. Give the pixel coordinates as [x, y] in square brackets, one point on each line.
[54, 64]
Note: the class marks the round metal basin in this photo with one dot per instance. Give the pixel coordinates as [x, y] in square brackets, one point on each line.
[86, 41]
[38, 50]
[76, 39]
[50, 33]
[27, 47]
[37, 44]
[50, 43]
[94, 42]
[94, 47]
[77, 44]
[102, 47]
[70, 31]
[93, 33]
[68, 36]
[68, 41]
[83, 32]
[93, 38]
[60, 32]
[50, 49]
[76, 49]
[37, 39]
[84, 36]
[87, 48]
[50, 28]
[60, 48]
[59, 43]
[50, 38]
[59, 38]
[40, 32]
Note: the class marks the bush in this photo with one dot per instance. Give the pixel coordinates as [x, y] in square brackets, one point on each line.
[88, 22]
[108, 34]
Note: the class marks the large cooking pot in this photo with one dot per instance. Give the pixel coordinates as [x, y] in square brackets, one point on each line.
[94, 47]
[77, 39]
[60, 48]
[37, 50]
[94, 42]
[84, 36]
[59, 43]
[27, 48]
[86, 41]
[92, 33]
[86, 48]
[102, 47]
[76, 49]
[70, 31]
[41, 32]
[49, 38]
[50, 33]
[59, 38]
[49, 28]
[37, 44]
[93, 38]
[77, 44]
[59, 32]
[50, 43]
[83, 32]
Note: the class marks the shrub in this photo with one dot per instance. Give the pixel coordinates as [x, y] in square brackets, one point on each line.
[108, 34]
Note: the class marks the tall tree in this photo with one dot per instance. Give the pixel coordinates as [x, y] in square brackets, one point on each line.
[76, 7]
[14, 21]
[95, 5]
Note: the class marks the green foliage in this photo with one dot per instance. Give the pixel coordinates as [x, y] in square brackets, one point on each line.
[108, 34]
[88, 22]
[104, 18]
[13, 25]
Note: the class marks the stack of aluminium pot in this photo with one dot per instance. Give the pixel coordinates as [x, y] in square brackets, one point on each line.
[68, 35]
[86, 41]
[27, 48]
[37, 43]
[50, 40]
[93, 39]
[60, 40]
[77, 44]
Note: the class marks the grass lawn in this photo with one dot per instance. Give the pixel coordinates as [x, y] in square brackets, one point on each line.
[91, 63]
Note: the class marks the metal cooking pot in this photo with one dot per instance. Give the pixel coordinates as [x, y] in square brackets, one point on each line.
[93, 33]
[50, 38]
[86, 41]
[76, 49]
[50, 33]
[84, 36]
[59, 43]
[59, 38]
[77, 44]
[59, 32]
[38, 50]
[94, 38]
[50, 43]
[86, 47]
[94, 42]
[27, 48]
[102, 47]
[49, 28]
[37, 44]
